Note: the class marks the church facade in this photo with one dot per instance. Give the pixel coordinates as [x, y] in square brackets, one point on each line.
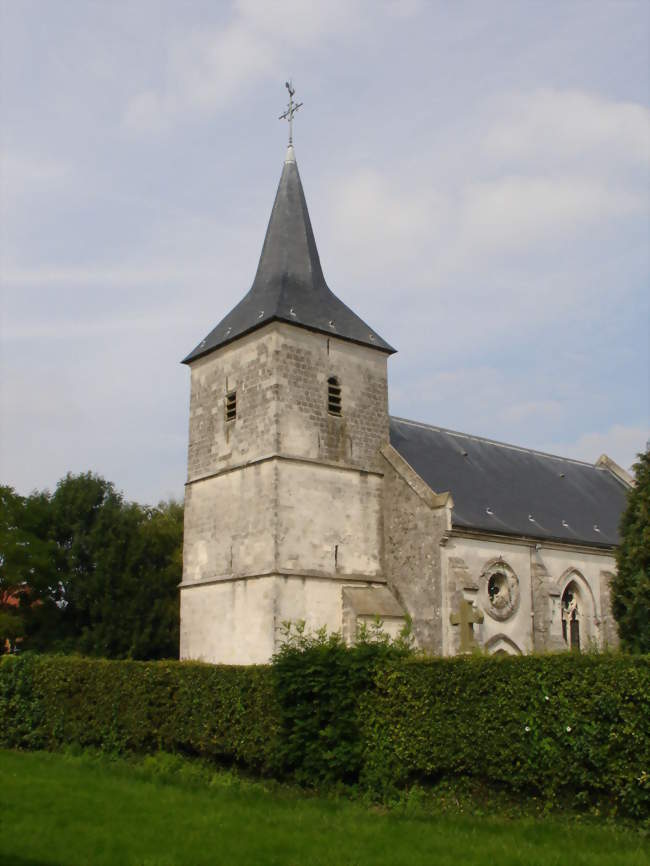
[305, 500]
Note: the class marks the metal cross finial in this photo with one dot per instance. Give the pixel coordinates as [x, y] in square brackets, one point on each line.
[291, 109]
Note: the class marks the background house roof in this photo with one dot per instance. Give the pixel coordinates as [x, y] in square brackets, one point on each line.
[515, 491]
[289, 284]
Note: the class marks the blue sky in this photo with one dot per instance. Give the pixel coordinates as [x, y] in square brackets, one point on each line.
[477, 178]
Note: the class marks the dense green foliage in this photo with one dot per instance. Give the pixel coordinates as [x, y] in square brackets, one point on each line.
[12, 627]
[93, 573]
[218, 712]
[562, 728]
[567, 728]
[319, 682]
[631, 585]
[164, 810]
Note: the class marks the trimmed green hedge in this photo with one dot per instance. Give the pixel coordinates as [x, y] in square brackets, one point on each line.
[219, 712]
[564, 728]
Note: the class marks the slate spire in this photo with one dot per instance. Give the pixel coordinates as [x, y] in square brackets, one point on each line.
[289, 285]
[289, 259]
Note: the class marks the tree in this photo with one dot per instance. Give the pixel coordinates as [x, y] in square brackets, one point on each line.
[12, 627]
[28, 557]
[95, 574]
[128, 606]
[631, 586]
[28, 564]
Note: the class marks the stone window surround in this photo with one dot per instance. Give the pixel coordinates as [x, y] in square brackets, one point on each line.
[588, 615]
[501, 643]
[509, 604]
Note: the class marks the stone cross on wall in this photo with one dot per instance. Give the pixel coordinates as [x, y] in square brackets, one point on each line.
[465, 618]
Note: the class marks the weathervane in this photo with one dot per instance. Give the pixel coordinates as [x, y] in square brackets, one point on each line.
[291, 109]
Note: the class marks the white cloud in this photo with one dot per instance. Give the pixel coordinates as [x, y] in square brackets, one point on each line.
[404, 8]
[206, 71]
[372, 213]
[558, 125]
[24, 176]
[69, 416]
[294, 21]
[513, 212]
[133, 275]
[467, 209]
[69, 329]
[203, 72]
[486, 390]
[621, 443]
[533, 409]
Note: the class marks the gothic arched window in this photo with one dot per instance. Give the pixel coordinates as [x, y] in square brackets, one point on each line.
[572, 613]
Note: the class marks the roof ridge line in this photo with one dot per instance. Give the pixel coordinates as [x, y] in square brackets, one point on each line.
[497, 442]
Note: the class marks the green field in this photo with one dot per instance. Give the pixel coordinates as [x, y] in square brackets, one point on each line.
[61, 809]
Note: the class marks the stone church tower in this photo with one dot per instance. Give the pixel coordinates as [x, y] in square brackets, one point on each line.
[288, 413]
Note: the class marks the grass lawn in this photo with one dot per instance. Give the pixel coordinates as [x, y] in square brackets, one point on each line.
[60, 809]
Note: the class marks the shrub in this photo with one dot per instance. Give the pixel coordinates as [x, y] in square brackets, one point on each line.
[565, 728]
[319, 682]
[21, 711]
[562, 727]
[214, 711]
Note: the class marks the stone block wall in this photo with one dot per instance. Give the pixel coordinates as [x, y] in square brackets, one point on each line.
[227, 531]
[304, 362]
[468, 564]
[609, 628]
[247, 368]
[329, 520]
[280, 375]
[542, 572]
[415, 522]
[229, 622]
[241, 621]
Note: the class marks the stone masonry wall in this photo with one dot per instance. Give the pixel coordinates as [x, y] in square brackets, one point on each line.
[542, 573]
[225, 534]
[241, 621]
[329, 521]
[609, 628]
[280, 375]
[304, 362]
[468, 564]
[415, 521]
[247, 368]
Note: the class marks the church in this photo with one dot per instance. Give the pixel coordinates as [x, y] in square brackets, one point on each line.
[306, 500]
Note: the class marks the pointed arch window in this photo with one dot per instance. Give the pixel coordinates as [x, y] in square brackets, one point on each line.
[571, 616]
[333, 396]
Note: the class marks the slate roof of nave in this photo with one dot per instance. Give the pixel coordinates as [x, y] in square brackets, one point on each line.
[505, 489]
[289, 284]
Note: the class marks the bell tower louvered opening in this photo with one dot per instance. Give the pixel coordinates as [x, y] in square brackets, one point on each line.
[231, 406]
[333, 396]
